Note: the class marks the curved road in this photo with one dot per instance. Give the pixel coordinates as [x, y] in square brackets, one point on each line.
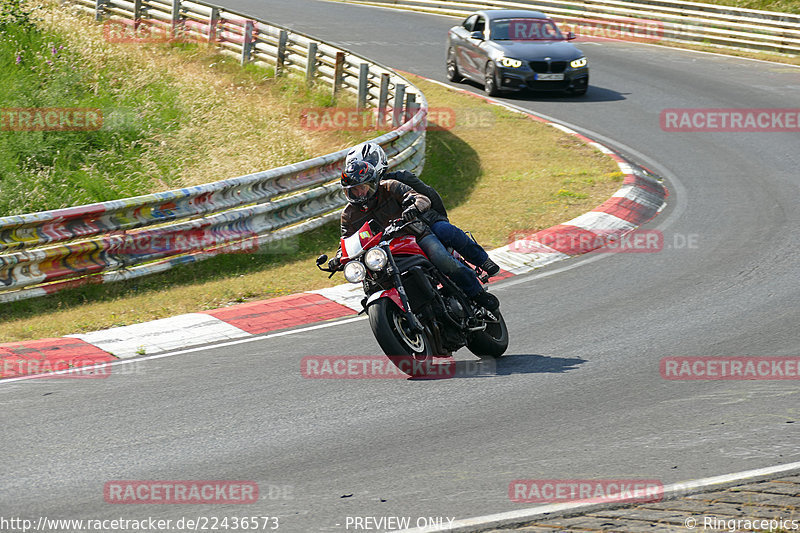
[579, 394]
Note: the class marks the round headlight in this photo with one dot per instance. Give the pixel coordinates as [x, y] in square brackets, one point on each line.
[354, 272]
[375, 259]
[578, 63]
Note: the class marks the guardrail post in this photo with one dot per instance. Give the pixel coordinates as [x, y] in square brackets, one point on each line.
[338, 74]
[411, 106]
[363, 85]
[176, 16]
[283, 38]
[137, 13]
[383, 99]
[99, 9]
[311, 66]
[247, 41]
[213, 22]
[397, 110]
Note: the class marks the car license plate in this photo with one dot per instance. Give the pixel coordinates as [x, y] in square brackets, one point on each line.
[550, 77]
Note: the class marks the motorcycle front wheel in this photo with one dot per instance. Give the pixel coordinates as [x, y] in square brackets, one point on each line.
[410, 351]
[491, 342]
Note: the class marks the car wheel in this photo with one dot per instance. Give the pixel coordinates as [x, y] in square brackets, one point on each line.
[452, 67]
[490, 80]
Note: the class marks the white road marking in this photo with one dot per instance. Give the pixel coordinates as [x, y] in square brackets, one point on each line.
[675, 490]
[188, 350]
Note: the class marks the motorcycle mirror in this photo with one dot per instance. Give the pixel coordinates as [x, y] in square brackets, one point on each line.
[321, 259]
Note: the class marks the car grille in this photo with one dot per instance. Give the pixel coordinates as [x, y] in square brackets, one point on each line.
[544, 67]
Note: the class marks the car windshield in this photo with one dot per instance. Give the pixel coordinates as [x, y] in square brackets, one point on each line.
[524, 29]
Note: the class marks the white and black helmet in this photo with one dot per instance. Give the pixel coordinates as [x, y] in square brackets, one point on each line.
[370, 152]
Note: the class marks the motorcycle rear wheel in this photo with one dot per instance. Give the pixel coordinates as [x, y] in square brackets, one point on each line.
[491, 342]
[409, 351]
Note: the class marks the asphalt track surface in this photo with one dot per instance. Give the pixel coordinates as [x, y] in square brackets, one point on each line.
[579, 394]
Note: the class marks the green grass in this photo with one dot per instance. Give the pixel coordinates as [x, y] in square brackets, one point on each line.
[158, 102]
[49, 169]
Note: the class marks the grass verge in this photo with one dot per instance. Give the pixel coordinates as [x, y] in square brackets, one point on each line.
[540, 177]
[536, 177]
[159, 102]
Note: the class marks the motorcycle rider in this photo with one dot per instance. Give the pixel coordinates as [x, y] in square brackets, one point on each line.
[436, 217]
[369, 198]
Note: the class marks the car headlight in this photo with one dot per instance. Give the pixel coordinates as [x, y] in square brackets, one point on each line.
[375, 259]
[578, 63]
[354, 272]
[510, 63]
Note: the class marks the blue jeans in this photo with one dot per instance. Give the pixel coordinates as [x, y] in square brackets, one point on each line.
[456, 239]
[449, 265]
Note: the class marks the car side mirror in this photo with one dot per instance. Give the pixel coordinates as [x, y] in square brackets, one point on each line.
[476, 35]
[321, 259]
[571, 35]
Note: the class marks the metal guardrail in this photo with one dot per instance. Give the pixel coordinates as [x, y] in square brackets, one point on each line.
[644, 20]
[42, 253]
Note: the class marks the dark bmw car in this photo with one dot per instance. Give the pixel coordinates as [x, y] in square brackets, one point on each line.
[511, 50]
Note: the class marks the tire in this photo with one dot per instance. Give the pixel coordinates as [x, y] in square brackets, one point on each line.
[411, 353]
[491, 342]
[490, 80]
[452, 66]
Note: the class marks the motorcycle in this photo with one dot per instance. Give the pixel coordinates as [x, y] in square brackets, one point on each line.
[415, 312]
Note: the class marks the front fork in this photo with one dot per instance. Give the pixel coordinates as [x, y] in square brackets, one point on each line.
[394, 272]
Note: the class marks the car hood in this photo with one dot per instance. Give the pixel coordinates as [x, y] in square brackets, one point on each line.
[531, 50]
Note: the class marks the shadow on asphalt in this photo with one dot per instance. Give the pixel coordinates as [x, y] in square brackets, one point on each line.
[536, 364]
[508, 365]
[594, 94]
